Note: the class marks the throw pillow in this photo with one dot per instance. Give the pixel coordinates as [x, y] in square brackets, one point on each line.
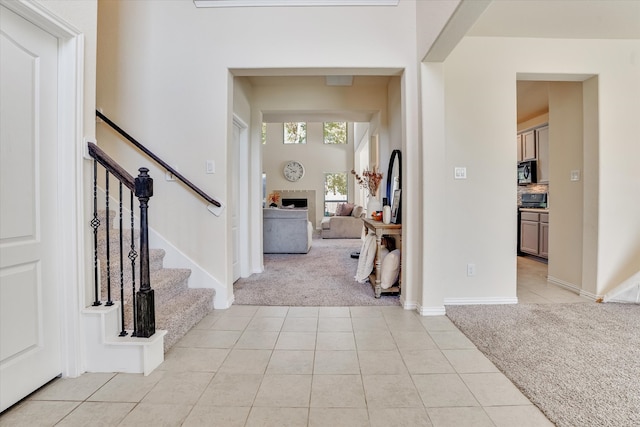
[367, 257]
[347, 208]
[339, 209]
[357, 211]
[390, 269]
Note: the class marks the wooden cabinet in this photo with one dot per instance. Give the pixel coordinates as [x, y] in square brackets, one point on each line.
[519, 145]
[529, 232]
[534, 145]
[542, 152]
[544, 235]
[380, 229]
[528, 144]
[534, 233]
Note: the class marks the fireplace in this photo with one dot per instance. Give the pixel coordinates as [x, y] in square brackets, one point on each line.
[297, 203]
[300, 199]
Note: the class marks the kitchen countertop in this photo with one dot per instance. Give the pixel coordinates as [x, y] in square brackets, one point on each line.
[539, 210]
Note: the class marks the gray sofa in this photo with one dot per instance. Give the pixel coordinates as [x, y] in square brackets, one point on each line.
[286, 231]
[343, 227]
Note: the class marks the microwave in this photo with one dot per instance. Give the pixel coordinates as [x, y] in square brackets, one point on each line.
[527, 172]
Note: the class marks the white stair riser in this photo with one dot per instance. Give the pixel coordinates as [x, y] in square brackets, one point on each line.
[106, 352]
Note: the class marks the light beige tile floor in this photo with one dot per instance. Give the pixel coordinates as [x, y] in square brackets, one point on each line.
[305, 366]
[534, 288]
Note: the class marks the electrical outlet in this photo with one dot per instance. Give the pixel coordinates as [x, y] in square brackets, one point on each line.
[471, 270]
[460, 172]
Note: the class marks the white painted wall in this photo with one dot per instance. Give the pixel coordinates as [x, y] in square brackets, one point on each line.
[164, 70]
[566, 200]
[164, 77]
[317, 158]
[473, 220]
[428, 13]
[590, 179]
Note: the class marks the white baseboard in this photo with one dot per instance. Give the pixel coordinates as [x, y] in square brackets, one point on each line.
[174, 257]
[566, 285]
[573, 288]
[200, 278]
[480, 301]
[431, 311]
[591, 296]
[408, 305]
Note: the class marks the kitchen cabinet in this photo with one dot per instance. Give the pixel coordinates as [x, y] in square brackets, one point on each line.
[534, 233]
[544, 236]
[528, 145]
[530, 233]
[542, 153]
[519, 145]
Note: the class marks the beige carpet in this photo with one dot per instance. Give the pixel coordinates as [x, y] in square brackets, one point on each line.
[322, 277]
[579, 363]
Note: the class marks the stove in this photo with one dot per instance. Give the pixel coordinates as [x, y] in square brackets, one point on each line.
[534, 200]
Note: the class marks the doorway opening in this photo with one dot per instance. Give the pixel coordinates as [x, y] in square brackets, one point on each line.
[557, 123]
[278, 100]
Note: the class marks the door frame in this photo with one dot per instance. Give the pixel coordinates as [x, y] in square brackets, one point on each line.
[70, 232]
[241, 162]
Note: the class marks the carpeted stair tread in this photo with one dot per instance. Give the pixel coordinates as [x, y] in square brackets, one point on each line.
[166, 283]
[169, 283]
[182, 313]
[114, 238]
[177, 307]
[156, 260]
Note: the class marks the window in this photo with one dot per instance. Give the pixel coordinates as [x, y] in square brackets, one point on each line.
[335, 191]
[264, 133]
[295, 133]
[335, 132]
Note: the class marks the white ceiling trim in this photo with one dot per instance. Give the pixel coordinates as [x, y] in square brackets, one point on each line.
[290, 3]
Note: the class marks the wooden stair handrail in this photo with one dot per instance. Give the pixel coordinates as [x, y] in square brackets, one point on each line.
[158, 160]
[109, 164]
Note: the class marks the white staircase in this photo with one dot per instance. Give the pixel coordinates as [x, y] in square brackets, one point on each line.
[107, 352]
[177, 309]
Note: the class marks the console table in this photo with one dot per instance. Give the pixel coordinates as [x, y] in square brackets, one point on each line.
[381, 229]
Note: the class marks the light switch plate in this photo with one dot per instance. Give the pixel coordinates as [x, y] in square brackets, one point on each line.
[575, 175]
[460, 172]
[210, 166]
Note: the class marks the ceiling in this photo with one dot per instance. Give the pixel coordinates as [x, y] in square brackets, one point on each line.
[317, 81]
[533, 99]
[575, 19]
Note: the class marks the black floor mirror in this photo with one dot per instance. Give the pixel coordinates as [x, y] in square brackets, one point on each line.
[394, 186]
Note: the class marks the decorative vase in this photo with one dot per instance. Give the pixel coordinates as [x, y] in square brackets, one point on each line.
[373, 205]
[386, 214]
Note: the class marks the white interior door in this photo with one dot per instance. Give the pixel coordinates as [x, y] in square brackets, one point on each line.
[29, 284]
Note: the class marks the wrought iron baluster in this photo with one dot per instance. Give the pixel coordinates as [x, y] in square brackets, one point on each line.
[132, 256]
[122, 332]
[108, 230]
[95, 223]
